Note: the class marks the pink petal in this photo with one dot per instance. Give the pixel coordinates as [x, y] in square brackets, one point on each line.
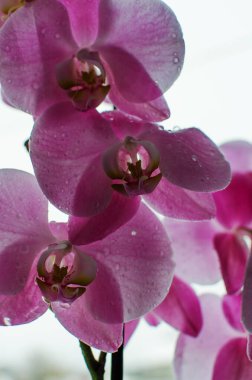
[78, 320]
[232, 362]
[173, 201]
[129, 329]
[149, 31]
[188, 158]
[181, 308]
[66, 148]
[234, 204]
[59, 230]
[23, 227]
[154, 110]
[232, 309]
[195, 358]
[239, 155]
[247, 297]
[23, 307]
[152, 318]
[87, 230]
[137, 265]
[196, 261]
[30, 50]
[232, 253]
[84, 19]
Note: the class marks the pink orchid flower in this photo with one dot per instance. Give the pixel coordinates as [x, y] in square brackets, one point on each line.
[180, 309]
[226, 235]
[52, 50]
[219, 351]
[82, 159]
[92, 289]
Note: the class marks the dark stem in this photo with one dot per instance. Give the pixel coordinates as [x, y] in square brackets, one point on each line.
[117, 364]
[96, 368]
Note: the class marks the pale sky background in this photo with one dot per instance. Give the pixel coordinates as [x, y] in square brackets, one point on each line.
[214, 93]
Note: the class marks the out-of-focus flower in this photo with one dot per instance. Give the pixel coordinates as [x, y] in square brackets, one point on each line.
[228, 235]
[82, 159]
[131, 50]
[92, 289]
[180, 309]
[219, 351]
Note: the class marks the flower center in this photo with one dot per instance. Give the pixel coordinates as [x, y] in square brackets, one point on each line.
[133, 165]
[64, 273]
[83, 77]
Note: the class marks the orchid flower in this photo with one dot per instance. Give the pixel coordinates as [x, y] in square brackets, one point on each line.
[219, 352]
[92, 289]
[82, 159]
[228, 235]
[132, 51]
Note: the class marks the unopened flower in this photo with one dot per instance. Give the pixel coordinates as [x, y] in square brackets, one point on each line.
[130, 50]
[92, 289]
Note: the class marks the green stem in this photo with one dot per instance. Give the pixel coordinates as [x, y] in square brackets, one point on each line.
[96, 368]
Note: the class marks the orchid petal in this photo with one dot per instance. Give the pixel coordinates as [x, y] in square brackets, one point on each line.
[83, 15]
[247, 297]
[232, 253]
[66, 148]
[129, 329]
[29, 52]
[234, 204]
[137, 259]
[87, 230]
[181, 308]
[196, 261]
[239, 155]
[188, 158]
[78, 320]
[141, 28]
[232, 362]
[232, 309]
[23, 307]
[23, 227]
[152, 318]
[173, 201]
[205, 348]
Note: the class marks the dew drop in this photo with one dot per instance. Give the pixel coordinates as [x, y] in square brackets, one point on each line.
[194, 158]
[7, 321]
[133, 233]
[35, 86]
[175, 60]
[7, 48]
[117, 267]
[174, 35]
[57, 36]
[161, 253]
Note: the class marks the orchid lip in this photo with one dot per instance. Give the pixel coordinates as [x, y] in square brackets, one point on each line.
[62, 274]
[133, 166]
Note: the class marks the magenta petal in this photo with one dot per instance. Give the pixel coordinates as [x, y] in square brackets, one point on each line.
[150, 32]
[232, 253]
[23, 227]
[152, 318]
[196, 261]
[129, 329]
[29, 52]
[247, 297]
[87, 230]
[23, 307]
[84, 19]
[181, 308]
[139, 263]
[232, 309]
[175, 202]
[234, 204]
[154, 110]
[81, 323]
[195, 358]
[239, 155]
[188, 158]
[232, 362]
[66, 148]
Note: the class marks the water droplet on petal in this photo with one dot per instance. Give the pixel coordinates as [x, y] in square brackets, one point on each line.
[7, 321]
[57, 36]
[175, 60]
[194, 158]
[174, 35]
[133, 233]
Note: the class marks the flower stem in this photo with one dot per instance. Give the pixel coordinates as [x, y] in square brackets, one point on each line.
[95, 367]
[117, 363]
